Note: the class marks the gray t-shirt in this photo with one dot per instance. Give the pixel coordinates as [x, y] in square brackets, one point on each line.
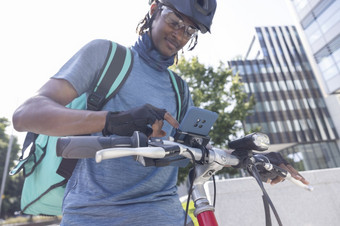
[121, 191]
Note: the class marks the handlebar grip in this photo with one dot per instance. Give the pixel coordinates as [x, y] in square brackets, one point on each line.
[77, 147]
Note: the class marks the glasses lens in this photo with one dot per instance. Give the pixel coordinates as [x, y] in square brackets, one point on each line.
[177, 23]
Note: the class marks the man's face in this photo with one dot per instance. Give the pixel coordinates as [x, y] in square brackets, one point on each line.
[171, 31]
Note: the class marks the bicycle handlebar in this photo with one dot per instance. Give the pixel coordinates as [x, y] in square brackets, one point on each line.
[101, 148]
[76, 147]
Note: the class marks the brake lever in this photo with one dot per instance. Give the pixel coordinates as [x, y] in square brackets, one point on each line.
[285, 174]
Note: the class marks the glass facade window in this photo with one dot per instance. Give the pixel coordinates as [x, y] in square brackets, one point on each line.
[256, 69]
[336, 55]
[273, 127]
[283, 106]
[283, 85]
[280, 127]
[298, 84]
[290, 105]
[266, 106]
[296, 104]
[290, 85]
[240, 70]
[248, 69]
[330, 18]
[289, 126]
[274, 105]
[246, 88]
[311, 103]
[330, 72]
[268, 86]
[276, 86]
[290, 109]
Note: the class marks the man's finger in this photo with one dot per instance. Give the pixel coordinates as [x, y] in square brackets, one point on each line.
[171, 120]
[296, 175]
[157, 129]
[276, 180]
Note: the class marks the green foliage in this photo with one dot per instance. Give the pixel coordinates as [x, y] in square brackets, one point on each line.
[11, 197]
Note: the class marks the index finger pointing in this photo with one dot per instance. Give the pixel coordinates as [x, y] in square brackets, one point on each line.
[171, 120]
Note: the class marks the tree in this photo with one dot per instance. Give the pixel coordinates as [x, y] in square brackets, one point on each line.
[220, 91]
[11, 197]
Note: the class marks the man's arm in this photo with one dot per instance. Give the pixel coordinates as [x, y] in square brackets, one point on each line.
[45, 113]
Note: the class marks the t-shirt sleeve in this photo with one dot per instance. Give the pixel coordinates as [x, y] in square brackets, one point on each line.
[82, 69]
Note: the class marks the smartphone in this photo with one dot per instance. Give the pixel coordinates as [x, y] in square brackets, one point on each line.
[198, 121]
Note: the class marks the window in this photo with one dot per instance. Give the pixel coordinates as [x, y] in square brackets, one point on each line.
[330, 72]
[276, 86]
[252, 87]
[266, 106]
[290, 105]
[303, 124]
[313, 33]
[248, 69]
[274, 105]
[280, 126]
[298, 84]
[268, 86]
[296, 125]
[246, 88]
[289, 126]
[240, 70]
[311, 103]
[282, 85]
[283, 106]
[290, 85]
[273, 127]
[296, 104]
[261, 87]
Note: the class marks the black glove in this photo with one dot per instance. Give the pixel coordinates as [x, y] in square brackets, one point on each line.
[137, 119]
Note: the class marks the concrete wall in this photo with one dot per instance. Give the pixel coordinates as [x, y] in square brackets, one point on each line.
[239, 201]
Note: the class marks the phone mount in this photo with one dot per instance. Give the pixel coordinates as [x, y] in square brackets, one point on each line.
[191, 139]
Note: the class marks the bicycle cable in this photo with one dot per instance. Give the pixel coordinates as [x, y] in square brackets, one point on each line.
[191, 185]
[214, 182]
[266, 198]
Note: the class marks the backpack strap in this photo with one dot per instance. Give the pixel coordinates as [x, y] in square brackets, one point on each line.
[113, 74]
[29, 139]
[181, 100]
[118, 65]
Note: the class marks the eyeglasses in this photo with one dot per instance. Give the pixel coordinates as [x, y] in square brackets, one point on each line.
[175, 22]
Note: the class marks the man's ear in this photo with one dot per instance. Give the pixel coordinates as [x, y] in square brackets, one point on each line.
[153, 8]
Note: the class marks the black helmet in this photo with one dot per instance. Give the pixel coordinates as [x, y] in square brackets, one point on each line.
[200, 11]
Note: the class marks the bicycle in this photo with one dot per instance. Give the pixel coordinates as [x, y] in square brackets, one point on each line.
[206, 161]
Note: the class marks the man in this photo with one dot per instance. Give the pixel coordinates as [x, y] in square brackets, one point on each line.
[121, 191]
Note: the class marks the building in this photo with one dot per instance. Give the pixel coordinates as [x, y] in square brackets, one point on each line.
[318, 24]
[290, 107]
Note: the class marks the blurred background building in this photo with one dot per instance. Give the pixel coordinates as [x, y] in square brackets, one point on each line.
[290, 106]
[318, 23]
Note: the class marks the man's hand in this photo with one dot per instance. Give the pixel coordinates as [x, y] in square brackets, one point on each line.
[138, 119]
[276, 159]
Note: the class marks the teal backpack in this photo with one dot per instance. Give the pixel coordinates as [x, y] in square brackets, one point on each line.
[45, 173]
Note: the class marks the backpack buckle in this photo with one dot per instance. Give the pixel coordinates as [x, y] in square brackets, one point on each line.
[95, 101]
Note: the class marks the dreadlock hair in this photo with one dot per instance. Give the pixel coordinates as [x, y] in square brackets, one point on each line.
[145, 24]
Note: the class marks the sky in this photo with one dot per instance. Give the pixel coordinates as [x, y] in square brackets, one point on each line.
[39, 36]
